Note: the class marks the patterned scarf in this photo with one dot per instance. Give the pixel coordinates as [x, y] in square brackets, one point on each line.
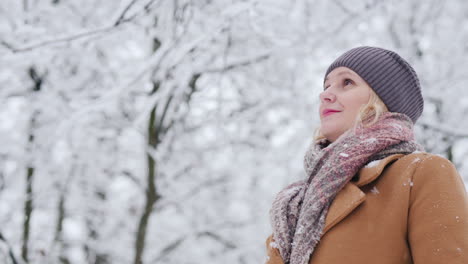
[298, 212]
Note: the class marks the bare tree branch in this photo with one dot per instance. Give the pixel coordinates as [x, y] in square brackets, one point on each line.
[343, 7]
[122, 15]
[10, 250]
[225, 242]
[169, 249]
[237, 64]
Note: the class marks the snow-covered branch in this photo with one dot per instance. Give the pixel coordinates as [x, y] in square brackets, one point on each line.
[75, 36]
[443, 128]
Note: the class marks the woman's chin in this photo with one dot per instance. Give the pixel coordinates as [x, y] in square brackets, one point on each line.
[331, 132]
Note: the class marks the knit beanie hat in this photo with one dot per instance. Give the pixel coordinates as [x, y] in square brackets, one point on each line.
[389, 75]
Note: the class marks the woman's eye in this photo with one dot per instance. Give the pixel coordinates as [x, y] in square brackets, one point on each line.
[348, 81]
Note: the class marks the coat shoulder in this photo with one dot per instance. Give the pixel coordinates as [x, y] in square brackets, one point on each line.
[424, 156]
[427, 162]
[438, 212]
[428, 165]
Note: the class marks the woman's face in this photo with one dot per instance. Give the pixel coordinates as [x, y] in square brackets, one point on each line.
[344, 94]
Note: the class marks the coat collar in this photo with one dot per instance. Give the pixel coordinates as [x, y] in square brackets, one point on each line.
[350, 197]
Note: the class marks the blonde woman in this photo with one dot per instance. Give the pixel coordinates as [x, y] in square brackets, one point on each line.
[371, 195]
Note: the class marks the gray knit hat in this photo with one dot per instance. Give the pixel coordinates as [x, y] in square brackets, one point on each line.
[389, 75]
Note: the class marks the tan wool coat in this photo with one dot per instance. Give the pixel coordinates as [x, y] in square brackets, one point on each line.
[406, 209]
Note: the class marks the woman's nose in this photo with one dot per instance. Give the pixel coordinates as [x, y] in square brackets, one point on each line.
[327, 96]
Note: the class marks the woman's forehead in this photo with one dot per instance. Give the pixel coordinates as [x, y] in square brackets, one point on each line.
[341, 71]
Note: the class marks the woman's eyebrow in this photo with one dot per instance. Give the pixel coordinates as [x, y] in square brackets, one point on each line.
[341, 74]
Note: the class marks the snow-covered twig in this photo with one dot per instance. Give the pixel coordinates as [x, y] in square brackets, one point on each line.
[44, 43]
[28, 47]
[10, 250]
[444, 129]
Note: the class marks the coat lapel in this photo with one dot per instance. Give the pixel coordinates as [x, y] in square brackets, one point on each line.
[351, 196]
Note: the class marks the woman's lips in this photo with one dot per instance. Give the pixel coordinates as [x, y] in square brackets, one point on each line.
[328, 112]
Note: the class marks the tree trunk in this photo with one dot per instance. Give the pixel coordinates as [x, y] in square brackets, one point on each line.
[151, 194]
[151, 198]
[28, 204]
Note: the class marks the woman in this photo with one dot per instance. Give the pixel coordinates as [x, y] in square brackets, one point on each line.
[371, 195]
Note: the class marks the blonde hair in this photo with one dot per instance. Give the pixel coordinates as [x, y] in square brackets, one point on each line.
[367, 115]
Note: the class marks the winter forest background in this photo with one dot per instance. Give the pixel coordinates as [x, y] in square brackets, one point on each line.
[159, 131]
